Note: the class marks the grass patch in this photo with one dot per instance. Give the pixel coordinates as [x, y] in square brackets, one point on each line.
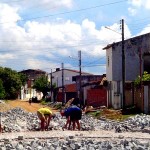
[124, 117]
[95, 114]
[109, 114]
[57, 106]
[43, 102]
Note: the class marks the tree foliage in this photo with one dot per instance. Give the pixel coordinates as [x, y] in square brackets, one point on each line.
[2, 90]
[41, 84]
[11, 82]
[145, 77]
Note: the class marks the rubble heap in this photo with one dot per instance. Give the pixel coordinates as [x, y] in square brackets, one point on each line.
[16, 120]
[72, 143]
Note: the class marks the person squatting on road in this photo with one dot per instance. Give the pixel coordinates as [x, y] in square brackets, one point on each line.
[73, 114]
[45, 115]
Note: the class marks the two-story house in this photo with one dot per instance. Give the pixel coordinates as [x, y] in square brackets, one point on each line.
[67, 76]
[27, 91]
[137, 60]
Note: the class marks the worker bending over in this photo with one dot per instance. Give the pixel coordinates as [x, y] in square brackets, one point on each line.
[45, 115]
[73, 114]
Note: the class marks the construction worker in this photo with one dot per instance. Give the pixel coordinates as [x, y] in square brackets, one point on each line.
[73, 114]
[45, 115]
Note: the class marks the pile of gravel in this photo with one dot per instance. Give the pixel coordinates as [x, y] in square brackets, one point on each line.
[17, 119]
[73, 143]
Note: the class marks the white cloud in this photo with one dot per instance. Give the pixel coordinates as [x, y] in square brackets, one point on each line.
[136, 3]
[54, 3]
[145, 30]
[41, 45]
[140, 3]
[132, 11]
[44, 4]
[8, 15]
[6, 56]
[147, 4]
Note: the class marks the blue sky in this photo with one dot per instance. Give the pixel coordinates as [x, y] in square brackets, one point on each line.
[43, 34]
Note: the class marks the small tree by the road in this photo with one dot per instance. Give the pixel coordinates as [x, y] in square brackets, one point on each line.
[2, 90]
[41, 84]
[145, 77]
[11, 82]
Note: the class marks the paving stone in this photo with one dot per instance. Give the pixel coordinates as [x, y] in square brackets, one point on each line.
[17, 120]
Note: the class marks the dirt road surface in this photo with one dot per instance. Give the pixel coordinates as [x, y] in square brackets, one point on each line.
[22, 104]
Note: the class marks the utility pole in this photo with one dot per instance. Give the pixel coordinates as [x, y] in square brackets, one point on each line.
[80, 89]
[123, 65]
[63, 90]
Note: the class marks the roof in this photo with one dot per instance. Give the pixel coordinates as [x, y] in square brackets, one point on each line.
[133, 38]
[108, 46]
[76, 71]
[96, 82]
[36, 70]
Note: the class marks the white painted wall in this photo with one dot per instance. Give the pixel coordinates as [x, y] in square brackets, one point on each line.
[132, 64]
[68, 74]
[132, 59]
[27, 93]
[109, 64]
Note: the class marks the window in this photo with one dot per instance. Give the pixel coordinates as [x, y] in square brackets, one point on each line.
[108, 61]
[26, 91]
[118, 86]
[67, 78]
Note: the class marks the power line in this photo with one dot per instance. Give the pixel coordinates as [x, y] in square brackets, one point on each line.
[12, 1]
[50, 48]
[67, 12]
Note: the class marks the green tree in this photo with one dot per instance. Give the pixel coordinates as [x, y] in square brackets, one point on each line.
[23, 78]
[41, 84]
[12, 82]
[145, 77]
[2, 90]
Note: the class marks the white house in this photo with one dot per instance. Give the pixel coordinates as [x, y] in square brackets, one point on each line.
[67, 74]
[27, 91]
[137, 60]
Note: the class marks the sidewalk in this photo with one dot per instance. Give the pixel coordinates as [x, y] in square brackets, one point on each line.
[78, 134]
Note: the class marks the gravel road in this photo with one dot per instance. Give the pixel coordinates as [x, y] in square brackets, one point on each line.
[95, 134]
[72, 140]
[88, 134]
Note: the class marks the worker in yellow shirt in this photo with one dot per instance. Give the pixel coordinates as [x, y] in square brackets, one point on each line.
[45, 115]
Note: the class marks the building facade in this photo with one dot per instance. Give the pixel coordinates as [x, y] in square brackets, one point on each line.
[27, 91]
[137, 60]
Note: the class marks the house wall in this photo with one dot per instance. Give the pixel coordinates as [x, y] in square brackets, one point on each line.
[133, 48]
[129, 97]
[27, 91]
[138, 96]
[57, 77]
[116, 94]
[109, 64]
[85, 89]
[149, 98]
